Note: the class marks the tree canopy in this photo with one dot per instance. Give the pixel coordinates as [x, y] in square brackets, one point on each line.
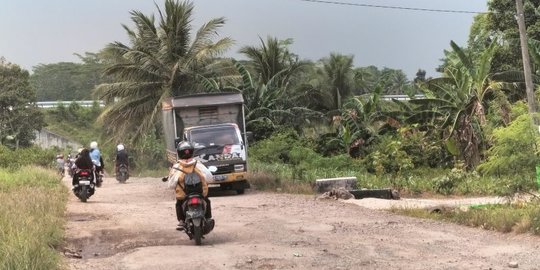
[19, 117]
[163, 59]
[68, 80]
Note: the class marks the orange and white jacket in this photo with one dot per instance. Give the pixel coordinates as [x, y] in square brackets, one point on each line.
[177, 173]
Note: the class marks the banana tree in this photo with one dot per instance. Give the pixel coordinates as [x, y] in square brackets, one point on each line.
[455, 103]
[360, 122]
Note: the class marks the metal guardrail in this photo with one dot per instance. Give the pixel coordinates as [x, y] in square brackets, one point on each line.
[90, 103]
[82, 103]
[401, 97]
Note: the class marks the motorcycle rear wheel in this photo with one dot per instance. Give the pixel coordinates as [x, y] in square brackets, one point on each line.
[197, 234]
[123, 178]
[83, 194]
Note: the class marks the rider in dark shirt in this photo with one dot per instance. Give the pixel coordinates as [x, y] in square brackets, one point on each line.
[83, 162]
[121, 157]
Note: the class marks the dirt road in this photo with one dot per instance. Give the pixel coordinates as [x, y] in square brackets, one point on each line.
[132, 226]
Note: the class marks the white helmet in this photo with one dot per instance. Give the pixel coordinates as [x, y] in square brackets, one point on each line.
[120, 147]
[93, 145]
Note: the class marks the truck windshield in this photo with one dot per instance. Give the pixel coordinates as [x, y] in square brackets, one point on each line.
[208, 136]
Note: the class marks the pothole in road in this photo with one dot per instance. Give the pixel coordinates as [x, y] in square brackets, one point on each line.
[265, 263]
[106, 243]
[82, 217]
[303, 227]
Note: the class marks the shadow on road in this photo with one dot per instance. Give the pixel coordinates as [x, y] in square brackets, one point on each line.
[217, 192]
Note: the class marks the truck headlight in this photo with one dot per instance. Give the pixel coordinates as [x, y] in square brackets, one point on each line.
[239, 168]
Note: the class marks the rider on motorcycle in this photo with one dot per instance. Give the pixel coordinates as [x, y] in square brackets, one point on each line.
[187, 165]
[83, 162]
[121, 157]
[95, 155]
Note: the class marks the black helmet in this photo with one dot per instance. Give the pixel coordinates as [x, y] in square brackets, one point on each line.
[185, 150]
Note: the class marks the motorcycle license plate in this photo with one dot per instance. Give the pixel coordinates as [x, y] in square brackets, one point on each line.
[195, 214]
[220, 177]
[83, 182]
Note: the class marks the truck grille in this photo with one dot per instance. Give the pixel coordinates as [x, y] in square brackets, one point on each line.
[225, 169]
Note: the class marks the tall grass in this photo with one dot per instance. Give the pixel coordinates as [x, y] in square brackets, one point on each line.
[518, 218]
[32, 205]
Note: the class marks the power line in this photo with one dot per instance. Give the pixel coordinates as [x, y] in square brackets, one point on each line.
[393, 7]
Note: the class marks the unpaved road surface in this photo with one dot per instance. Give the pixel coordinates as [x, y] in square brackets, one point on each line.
[132, 226]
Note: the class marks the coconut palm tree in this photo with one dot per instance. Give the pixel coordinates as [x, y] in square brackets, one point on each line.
[270, 58]
[163, 59]
[396, 80]
[339, 73]
[271, 104]
[366, 79]
[332, 82]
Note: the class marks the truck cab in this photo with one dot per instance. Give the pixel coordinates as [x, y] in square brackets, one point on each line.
[214, 124]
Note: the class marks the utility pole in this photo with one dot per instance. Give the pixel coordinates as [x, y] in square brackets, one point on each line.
[531, 100]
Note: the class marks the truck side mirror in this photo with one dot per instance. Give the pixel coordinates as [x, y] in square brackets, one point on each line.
[177, 141]
[249, 136]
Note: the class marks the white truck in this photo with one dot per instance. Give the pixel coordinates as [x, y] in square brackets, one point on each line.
[214, 123]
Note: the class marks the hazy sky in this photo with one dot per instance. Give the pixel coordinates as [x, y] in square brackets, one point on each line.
[33, 32]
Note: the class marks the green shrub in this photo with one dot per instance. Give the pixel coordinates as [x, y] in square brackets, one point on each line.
[309, 165]
[26, 156]
[424, 149]
[328, 145]
[513, 151]
[276, 148]
[447, 183]
[388, 156]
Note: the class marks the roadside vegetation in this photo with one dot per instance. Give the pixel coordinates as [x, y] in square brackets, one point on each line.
[285, 160]
[517, 218]
[15, 159]
[32, 205]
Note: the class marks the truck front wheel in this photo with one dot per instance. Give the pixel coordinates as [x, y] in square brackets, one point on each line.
[240, 191]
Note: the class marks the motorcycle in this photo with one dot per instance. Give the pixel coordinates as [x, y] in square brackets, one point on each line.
[99, 179]
[122, 173]
[85, 186]
[196, 225]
